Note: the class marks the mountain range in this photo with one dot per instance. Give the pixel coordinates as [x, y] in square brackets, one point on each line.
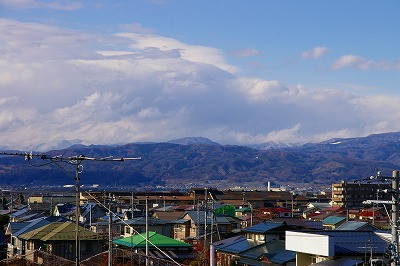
[191, 162]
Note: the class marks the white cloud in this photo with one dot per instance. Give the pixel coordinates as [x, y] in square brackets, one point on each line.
[192, 53]
[316, 52]
[364, 64]
[55, 85]
[59, 5]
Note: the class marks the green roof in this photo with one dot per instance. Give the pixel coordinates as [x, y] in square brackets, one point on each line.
[59, 231]
[332, 220]
[138, 241]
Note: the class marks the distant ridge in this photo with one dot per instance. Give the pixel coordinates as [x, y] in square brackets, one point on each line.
[202, 162]
[273, 145]
[193, 140]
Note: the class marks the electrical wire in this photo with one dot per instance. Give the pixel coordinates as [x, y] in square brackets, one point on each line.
[163, 252]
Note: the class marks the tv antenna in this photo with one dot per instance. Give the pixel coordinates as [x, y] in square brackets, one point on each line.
[76, 161]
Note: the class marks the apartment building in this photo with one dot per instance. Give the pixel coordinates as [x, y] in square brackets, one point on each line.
[351, 195]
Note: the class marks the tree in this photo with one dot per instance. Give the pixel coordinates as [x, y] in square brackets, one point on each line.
[4, 220]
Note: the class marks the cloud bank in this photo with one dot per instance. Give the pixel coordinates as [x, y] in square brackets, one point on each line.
[59, 84]
[361, 63]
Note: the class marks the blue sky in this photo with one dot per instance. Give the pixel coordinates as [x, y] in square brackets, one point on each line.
[237, 72]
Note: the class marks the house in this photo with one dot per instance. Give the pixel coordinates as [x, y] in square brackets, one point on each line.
[370, 214]
[273, 212]
[181, 228]
[65, 209]
[240, 212]
[320, 246]
[171, 248]
[332, 222]
[91, 212]
[244, 251]
[267, 231]
[263, 243]
[59, 239]
[16, 245]
[132, 213]
[249, 220]
[220, 224]
[138, 225]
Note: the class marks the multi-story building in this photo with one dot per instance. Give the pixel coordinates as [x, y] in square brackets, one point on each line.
[352, 195]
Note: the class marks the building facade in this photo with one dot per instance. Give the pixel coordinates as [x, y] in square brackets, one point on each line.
[352, 195]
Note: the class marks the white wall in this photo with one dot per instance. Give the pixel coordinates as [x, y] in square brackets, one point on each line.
[309, 243]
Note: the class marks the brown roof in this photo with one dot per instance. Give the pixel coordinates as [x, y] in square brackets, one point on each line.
[168, 215]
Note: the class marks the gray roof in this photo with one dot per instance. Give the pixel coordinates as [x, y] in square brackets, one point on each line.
[358, 226]
[283, 257]
[268, 249]
[263, 228]
[238, 245]
[179, 221]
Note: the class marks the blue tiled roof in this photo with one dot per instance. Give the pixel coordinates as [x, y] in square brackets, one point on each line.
[332, 220]
[263, 227]
[283, 257]
[237, 246]
[15, 226]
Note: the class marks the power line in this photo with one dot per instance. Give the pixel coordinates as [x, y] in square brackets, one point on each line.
[76, 161]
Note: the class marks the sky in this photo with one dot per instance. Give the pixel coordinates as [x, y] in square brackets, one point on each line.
[236, 72]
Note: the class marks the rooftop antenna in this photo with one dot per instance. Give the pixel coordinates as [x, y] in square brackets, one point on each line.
[76, 161]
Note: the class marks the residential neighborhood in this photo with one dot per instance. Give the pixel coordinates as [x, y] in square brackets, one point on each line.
[226, 227]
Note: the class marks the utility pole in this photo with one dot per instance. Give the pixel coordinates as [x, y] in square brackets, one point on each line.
[394, 191]
[395, 215]
[198, 221]
[77, 214]
[147, 232]
[251, 214]
[72, 160]
[131, 206]
[12, 204]
[110, 253]
[205, 219]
